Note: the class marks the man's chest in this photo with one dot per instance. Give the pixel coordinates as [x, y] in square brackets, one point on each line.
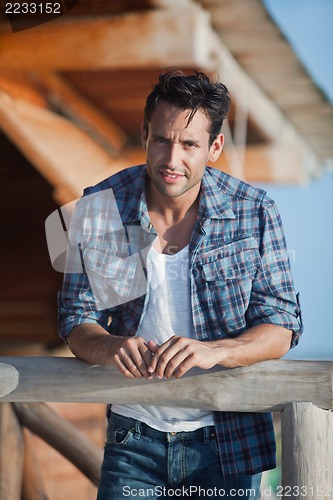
[171, 238]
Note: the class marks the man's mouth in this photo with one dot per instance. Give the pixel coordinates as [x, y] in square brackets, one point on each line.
[168, 177]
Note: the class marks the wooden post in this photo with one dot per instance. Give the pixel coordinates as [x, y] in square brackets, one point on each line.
[32, 483]
[307, 458]
[11, 454]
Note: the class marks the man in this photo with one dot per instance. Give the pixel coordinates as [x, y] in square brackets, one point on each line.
[217, 291]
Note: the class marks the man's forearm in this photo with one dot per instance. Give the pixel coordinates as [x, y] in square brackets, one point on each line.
[92, 343]
[259, 343]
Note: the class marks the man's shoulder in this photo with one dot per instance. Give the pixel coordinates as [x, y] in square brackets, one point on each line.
[237, 189]
[120, 181]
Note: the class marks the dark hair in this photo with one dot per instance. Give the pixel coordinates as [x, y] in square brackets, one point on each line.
[191, 93]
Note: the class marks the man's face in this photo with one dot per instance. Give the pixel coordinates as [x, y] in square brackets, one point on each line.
[176, 153]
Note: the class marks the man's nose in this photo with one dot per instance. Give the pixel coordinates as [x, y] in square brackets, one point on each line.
[173, 159]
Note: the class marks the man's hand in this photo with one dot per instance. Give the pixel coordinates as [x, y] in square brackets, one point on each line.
[178, 355]
[132, 356]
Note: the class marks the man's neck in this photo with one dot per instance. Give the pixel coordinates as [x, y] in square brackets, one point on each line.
[172, 210]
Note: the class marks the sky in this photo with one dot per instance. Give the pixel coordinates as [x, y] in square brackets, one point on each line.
[307, 211]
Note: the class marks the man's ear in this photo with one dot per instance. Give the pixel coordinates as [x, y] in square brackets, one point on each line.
[144, 134]
[216, 148]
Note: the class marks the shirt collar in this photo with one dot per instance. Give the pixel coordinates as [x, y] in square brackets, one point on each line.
[136, 208]
[212, 203]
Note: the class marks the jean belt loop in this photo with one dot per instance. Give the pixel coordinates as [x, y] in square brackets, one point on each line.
[137, 429]
[206, 435]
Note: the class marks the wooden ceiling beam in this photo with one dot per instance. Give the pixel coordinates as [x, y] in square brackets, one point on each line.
[256, 42]
[19, 84]
[64, 97]
[279, 132]
[68, 158]
[155, 38]
[159, 38]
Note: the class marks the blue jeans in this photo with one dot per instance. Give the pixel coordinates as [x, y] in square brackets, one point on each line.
[141, 462]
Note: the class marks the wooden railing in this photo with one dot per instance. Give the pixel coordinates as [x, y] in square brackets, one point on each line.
[301, 390]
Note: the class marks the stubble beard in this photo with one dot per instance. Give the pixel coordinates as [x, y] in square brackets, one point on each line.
[169, 190]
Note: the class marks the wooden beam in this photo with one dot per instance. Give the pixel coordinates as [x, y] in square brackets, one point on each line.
[62, 436]
[18, 84]
[11, 454]
[68, 158]
[156, 38]
[263, 52]
[64, 97]
[280, 134]
[239, 389]
[170, 4]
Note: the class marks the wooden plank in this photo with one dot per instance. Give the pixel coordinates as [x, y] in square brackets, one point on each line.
[41, 379]
[307, 459]
[63, 436]
[11, 454]
[67, 99]
[157, 38]
[65, 156]
[19, 84]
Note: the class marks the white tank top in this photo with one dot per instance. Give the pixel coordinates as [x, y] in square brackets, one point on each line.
[168, 313]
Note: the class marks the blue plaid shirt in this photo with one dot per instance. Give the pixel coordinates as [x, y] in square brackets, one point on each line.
[240, 277]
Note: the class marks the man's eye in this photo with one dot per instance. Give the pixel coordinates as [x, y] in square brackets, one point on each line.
[160, 140]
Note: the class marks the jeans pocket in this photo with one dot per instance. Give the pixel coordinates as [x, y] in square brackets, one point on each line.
[118, 435]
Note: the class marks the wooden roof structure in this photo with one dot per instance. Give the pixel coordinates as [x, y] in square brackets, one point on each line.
[72, 90]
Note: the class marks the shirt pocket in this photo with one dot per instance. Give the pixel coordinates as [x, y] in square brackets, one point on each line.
[226, 284]
[113, 280]
[238, 260]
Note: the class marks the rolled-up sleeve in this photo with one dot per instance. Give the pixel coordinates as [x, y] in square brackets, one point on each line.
[273, 298]
[76, 305]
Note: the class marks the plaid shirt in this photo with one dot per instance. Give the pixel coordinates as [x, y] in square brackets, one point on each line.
[240, 277]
